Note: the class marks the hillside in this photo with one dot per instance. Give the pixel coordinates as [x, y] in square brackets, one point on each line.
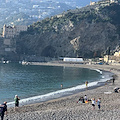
[85, 32]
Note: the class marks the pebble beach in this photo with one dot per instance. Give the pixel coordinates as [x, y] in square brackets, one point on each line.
[67, 108]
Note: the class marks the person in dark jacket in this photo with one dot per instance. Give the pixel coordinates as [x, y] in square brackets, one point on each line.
[3, 110]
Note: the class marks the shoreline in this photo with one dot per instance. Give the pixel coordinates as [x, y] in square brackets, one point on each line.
[66, 91]
[69, 103]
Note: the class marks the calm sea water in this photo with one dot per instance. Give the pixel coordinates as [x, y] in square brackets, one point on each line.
[30, 81]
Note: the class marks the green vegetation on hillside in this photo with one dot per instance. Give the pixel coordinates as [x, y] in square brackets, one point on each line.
[54, 30]
[113, 13]
[49, 24]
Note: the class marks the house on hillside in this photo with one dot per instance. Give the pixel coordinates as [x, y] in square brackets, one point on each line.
[117, 54]
[104, 2]
[92, 3]
[112, 59]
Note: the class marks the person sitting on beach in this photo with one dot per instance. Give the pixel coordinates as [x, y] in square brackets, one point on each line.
[116, 89]
[3, 109]
[16, 102]
[81, 100]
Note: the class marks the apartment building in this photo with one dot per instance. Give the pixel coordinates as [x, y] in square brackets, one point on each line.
[11, 31]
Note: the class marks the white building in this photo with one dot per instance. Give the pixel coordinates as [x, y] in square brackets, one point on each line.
[73, 60]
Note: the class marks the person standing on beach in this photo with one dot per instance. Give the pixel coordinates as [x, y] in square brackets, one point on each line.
[113, 79]
[61, 86]
[86, 83]
[16, 102]
[3, 109]
[93, 103]
[98, 103]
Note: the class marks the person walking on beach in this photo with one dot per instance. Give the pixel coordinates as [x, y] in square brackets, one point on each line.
[93, 103]
[98, 103]
[3, 109]
[16, 102]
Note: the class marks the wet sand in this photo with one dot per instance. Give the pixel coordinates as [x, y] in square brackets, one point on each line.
[67, 108]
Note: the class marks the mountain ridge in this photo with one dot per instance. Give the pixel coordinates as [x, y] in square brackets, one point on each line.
[85, 32]
[20, 12]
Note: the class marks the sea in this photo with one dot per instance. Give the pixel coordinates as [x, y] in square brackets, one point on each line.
[35, 83]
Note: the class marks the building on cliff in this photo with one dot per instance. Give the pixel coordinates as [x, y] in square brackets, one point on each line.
[92, 3]
[11, 31]
[8, 43]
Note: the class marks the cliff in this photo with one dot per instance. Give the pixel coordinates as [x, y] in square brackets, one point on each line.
[85, 32]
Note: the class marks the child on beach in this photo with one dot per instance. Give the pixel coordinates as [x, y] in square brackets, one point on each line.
[86, 99]
[93, 103]
[98, 102]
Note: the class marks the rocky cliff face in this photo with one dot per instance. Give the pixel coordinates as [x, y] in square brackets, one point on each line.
[82, 41]
[79, 33]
